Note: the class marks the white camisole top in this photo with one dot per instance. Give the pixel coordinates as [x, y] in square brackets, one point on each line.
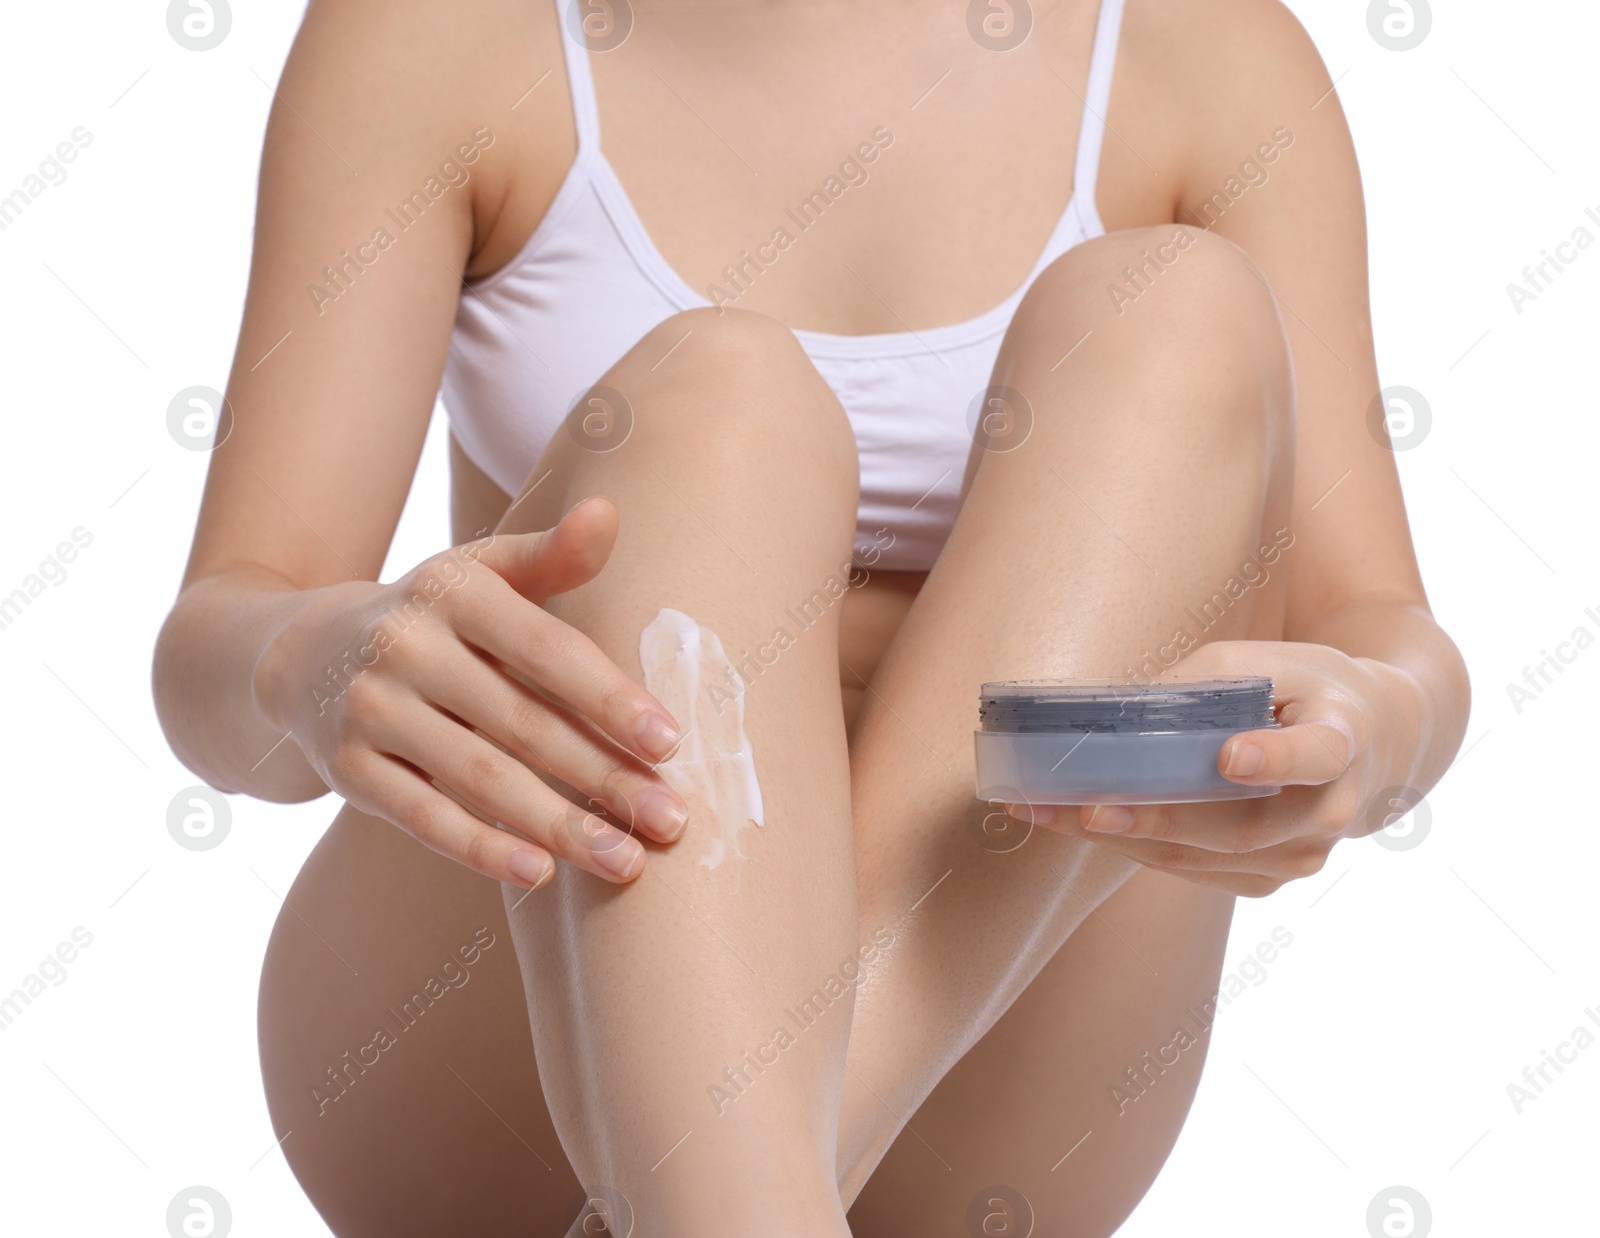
[589, 283]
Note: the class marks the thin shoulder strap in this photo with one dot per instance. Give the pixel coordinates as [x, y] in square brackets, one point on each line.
[1096, 95]
[580, 81]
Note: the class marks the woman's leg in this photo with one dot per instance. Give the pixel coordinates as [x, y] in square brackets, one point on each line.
[1158, 461]
[395, 1050]
[1040, 1119]
[676, 1075]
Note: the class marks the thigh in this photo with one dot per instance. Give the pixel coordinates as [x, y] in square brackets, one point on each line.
[395, 1049]
[1040, 1127]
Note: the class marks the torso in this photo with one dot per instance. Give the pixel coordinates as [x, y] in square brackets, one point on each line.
[715, 120]
[946, 233]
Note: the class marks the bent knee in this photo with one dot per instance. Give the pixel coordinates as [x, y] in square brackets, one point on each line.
[729, 397]
[738, 379]
[730, 355]
[1168, 302]
[1169, 272]
[733, 342]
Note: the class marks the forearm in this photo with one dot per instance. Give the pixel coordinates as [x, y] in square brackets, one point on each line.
[1430, 688]
[206, 673]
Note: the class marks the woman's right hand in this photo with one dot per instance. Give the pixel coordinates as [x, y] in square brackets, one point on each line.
[390, 691]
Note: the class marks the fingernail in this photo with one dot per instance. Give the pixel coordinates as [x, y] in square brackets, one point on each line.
[1246, 759]
[664, 817]
[656, 735]
[529, 867]
[615, 852]
[1110, 819]
[1039, 814]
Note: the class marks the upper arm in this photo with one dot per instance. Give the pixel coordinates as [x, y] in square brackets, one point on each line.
[1273, 169]
[348, 313]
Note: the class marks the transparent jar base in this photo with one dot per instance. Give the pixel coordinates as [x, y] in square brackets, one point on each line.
[1117, 767]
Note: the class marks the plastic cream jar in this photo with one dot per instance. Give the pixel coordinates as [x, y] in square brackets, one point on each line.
[1102, 741]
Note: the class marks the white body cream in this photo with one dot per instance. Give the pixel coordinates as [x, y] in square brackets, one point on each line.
[714, 768]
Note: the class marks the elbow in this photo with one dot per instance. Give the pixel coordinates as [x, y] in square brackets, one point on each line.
[191, 719]
[165, 675]
[1459, 683]
[200, 685]
[1446, 690]
[173, 691]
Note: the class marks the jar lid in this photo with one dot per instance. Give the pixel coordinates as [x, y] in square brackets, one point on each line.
[1022, 706]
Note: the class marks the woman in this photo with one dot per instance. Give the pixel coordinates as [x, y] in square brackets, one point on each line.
[735, 318]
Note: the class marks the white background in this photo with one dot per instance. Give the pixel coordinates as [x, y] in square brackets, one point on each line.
[1379, 1048]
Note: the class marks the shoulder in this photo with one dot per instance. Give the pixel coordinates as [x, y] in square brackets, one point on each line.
[1255, 49]
[396, 91]
[409, 55]
[1203, 85]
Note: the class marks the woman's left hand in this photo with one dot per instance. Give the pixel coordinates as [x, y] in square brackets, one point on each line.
[1350, 730]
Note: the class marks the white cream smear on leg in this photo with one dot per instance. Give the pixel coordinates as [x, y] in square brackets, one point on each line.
[714, 768]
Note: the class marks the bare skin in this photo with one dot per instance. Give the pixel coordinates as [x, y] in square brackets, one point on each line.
[1103, 937]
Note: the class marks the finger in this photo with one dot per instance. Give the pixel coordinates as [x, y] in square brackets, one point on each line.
[1176, 856]
[506, 791]
[564, 662]
[569, 554]
[1285, 861]
[1306, 754]
[549, 738]
[401, 795]
[1231, 826]
[1240, 885]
